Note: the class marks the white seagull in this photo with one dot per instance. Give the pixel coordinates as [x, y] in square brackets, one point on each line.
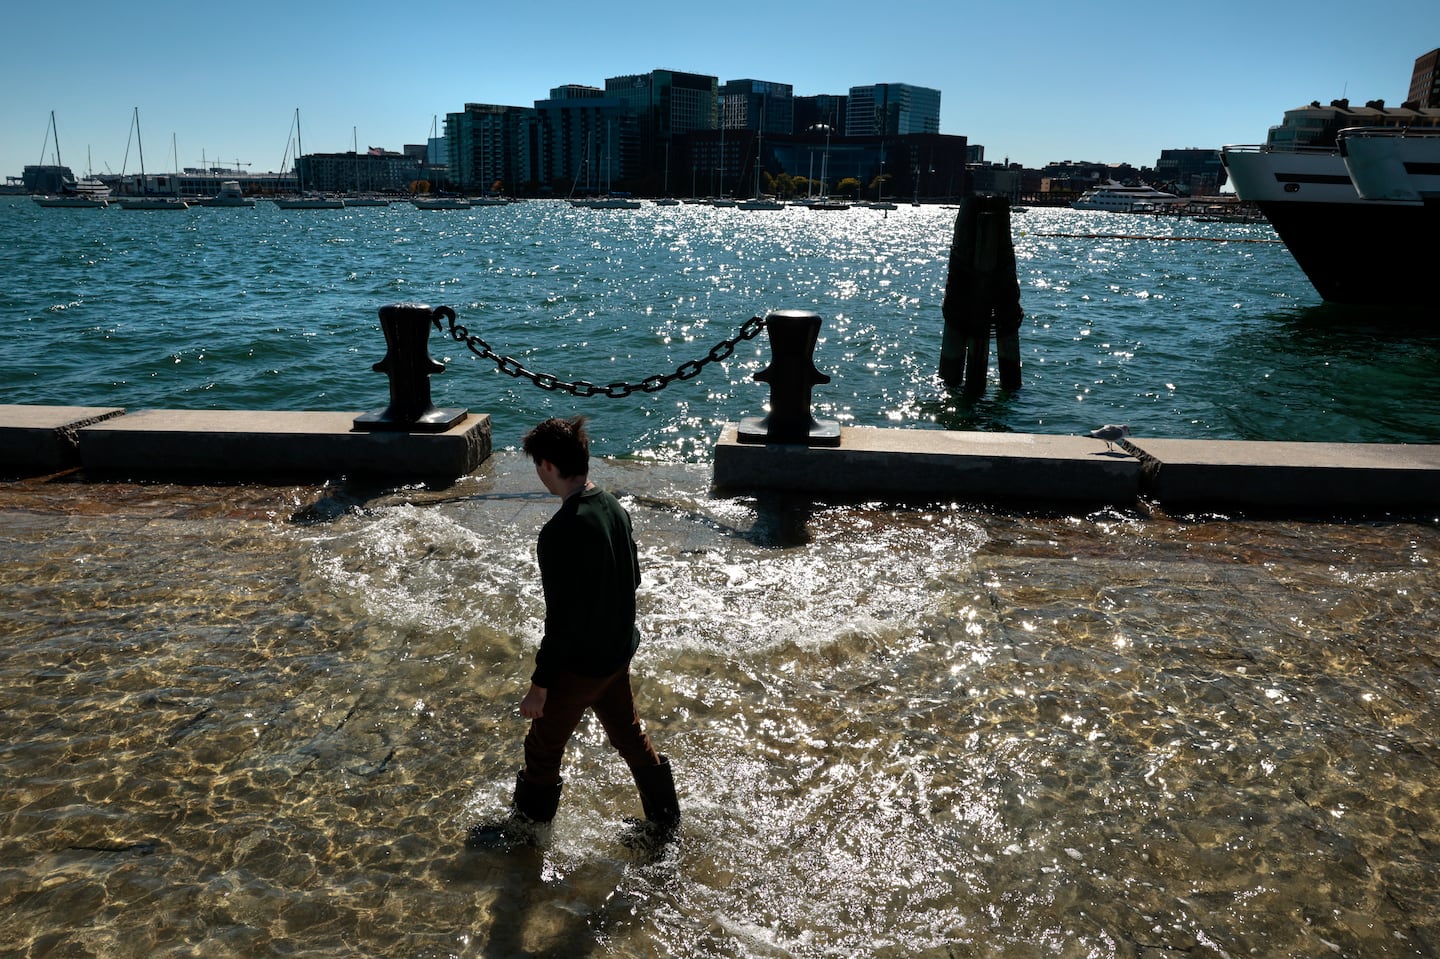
[1111, 434]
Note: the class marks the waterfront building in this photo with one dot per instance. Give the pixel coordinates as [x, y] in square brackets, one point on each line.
[1316, 125]
[749, 104]
[580, 138]
[892, 109]
[821, 110]
[489, 147]
[1191, 171]
[375, 171]
[1425, 82]
[666, 104]
[47, 178]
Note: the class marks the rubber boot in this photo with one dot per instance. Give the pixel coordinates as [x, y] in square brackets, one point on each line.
[532, 808]
[657, 794]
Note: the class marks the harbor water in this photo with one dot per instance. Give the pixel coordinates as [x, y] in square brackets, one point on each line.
[258, 720]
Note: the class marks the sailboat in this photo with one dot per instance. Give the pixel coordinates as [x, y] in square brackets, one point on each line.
[720, 199]
[825, 201]
[610, 200]
[880, 203]
[667, 199]
[304, 201]
[358, 198]
[148, 200]
[758, 201]
[87, 194]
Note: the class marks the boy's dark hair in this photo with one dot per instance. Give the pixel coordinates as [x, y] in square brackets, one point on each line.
[563, 442]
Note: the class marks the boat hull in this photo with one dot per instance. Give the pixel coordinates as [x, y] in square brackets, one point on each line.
[1361, 253]
[153, 203]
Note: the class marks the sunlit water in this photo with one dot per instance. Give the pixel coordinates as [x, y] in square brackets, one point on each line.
[1199, 330]
[257, 721]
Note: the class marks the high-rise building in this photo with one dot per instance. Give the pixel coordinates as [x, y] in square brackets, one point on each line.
[1425, 81]
[579, 136]
[892, 109]
[751, 104]
[665, 104]
[488, 147]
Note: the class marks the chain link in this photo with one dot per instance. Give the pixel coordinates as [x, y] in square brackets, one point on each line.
[581, 388]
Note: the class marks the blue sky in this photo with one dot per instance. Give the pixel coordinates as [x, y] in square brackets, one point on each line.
[1033, 82]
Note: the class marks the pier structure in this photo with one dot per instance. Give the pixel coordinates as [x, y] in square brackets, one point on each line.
[901, 464]
[787, 451]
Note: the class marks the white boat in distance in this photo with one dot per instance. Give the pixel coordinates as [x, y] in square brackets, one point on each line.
[1118, 198]
[441, 203]
[88, 193]
[230, 195]
[147, 200]
[606, 203]
[310, 201]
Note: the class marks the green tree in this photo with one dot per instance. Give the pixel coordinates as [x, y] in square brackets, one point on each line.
[847, 186]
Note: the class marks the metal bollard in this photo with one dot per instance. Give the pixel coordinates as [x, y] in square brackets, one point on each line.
[408, 364]
[792, 377]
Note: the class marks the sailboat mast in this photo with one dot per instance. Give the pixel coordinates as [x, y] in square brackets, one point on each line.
[299, 151]
[144, 186]
[55, 130]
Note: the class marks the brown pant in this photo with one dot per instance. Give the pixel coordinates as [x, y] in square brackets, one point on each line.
[566, 700]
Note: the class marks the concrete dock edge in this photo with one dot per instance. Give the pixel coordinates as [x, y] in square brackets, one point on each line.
[933, 463]
[910, 464]
[1232, 473]
[276, 442]
[44, 438]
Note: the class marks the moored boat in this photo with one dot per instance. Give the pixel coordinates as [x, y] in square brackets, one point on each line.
[152, 203]
[73, 201]
[1391, 164]
[1354, 248]
[310, 201]
[230, 194]
[441, 203]
[86, 193]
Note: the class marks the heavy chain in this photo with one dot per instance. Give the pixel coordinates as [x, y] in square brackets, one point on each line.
[651, 384]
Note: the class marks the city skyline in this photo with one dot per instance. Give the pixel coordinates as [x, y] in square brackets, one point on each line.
[1035, 87]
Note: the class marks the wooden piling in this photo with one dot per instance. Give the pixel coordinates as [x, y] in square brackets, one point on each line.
[982, 292]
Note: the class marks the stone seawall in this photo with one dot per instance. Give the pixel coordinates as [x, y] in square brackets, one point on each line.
[901, 464]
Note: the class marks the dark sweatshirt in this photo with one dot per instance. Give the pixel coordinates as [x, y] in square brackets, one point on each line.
[590, 570]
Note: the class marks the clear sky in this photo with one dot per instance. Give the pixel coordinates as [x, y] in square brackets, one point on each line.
[1033, 82]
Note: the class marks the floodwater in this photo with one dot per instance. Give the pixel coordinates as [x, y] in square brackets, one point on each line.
[249, 720]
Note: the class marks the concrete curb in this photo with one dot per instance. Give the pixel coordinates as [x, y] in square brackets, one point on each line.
[934, 463]
[245, 442]
[40, 439]
[43, 438]
[902, 464]
[1010, 467]
[1291, 475]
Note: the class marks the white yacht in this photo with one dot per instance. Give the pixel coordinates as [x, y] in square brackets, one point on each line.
[1348, 191]
[230, 195]
[1118, 198]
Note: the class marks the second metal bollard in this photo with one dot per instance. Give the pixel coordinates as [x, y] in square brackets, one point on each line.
[792, 377]
[408, 364]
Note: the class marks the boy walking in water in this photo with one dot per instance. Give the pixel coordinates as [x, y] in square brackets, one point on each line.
[590, 570]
